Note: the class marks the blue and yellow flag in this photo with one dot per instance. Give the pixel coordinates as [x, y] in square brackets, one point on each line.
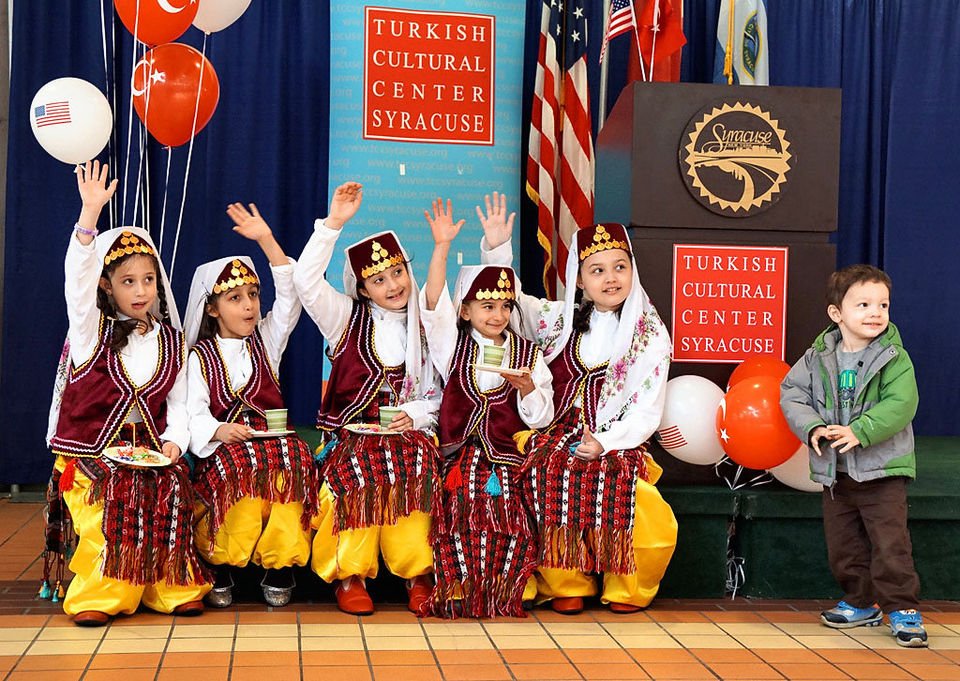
[742, 56]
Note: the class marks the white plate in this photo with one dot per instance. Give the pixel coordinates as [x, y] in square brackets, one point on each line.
[369, 429]
[136, 456]
[500, 370]
[271, 433]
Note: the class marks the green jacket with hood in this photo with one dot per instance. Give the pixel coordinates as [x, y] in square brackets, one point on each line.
[885, 403]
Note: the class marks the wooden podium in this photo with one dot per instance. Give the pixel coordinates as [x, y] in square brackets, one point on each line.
[684, 163]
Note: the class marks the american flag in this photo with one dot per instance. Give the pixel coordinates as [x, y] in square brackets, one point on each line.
[671, 438]
[622, 19]
[560, 162]
[54, 113]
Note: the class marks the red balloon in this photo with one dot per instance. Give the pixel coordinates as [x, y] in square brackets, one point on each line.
[160, 20]
[751, 426]
[165, 85]
[758, 365]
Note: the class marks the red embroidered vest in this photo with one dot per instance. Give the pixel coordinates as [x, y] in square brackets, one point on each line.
[261, 392]
[357, 373]
[491, 416]
[99, 395]
[571, 377]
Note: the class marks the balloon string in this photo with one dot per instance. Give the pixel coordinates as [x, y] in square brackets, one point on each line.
[106, 83]
[139, 193]
[186, 175]
[133, 66]
[146, 180]
[166, 191]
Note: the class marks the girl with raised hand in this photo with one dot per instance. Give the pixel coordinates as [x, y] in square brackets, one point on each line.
[258, 489]
[589, 477]
[487, 549]
[380, 486]
[122, 394]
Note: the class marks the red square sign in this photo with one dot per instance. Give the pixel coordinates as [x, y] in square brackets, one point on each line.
[729, 302]
[428, 76]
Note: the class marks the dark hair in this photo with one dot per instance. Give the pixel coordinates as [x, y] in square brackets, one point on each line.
[464, 326]
[208, 325]
[123, 328]
[841, 281]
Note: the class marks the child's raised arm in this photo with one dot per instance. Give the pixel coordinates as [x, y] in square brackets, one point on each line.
[251, 225]
[95, 193]
[497, 227]
[444, 232]
[344, 204]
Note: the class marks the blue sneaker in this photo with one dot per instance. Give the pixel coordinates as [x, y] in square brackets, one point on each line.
[845, 616]
[907, 627]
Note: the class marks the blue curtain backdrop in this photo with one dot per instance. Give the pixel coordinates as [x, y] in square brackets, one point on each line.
[267, 143]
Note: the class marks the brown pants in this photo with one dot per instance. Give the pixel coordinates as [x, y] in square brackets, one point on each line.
[868, 542]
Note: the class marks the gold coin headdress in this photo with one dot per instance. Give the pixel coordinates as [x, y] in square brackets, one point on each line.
[601, 237]
[493, 283]
[374, 255]
[127, 243]
[235, 274]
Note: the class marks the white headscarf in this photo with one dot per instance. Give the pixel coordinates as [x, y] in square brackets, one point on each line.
[465, 279]
[420, 379]
[103, 243]
[201, 288]
[639, 350]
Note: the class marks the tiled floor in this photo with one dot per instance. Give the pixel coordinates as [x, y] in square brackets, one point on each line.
[720, 639]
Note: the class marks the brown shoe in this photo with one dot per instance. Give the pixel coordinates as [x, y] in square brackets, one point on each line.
[191, 609]
[91, 618]
[624, 608]
[567, 606]
[352, 597]
[419, 590]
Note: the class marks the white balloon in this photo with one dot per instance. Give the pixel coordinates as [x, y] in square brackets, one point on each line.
[71, 119]
[688, 428]
[216, 15]
[795, 472]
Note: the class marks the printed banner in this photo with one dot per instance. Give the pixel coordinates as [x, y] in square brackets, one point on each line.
[729, 302]
[428, 76]
[425, 103]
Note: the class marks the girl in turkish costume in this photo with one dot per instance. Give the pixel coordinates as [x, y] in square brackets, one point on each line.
[589, 477]
[486, 549]
[257, 490]
[122, 393]
[379, 491]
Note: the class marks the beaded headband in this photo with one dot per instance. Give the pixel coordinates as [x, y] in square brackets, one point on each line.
[489, 285]
[127, 243]
[601, 237]
[234, 274]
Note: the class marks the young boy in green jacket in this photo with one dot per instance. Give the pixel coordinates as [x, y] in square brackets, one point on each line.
[853, 397]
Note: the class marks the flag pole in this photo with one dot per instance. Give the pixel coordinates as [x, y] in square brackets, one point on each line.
[604, 70]
[728, 53]
[653, 44]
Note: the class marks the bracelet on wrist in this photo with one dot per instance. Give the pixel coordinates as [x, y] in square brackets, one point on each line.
[77, 227]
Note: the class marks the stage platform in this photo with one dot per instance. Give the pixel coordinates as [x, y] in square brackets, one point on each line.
[778, 533]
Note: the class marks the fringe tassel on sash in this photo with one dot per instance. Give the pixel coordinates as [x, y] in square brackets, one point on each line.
[147, 522]
[276, 469]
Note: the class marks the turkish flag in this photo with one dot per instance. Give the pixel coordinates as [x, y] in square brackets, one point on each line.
[670, 40]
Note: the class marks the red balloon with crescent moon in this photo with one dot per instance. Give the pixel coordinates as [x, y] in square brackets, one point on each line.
[170, 84]
[751, 426]
[159, 21]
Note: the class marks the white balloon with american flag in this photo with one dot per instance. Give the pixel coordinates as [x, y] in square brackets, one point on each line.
[688, 426]
[71, 119]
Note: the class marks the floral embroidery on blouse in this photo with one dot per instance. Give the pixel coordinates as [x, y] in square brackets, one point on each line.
[615, 379]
